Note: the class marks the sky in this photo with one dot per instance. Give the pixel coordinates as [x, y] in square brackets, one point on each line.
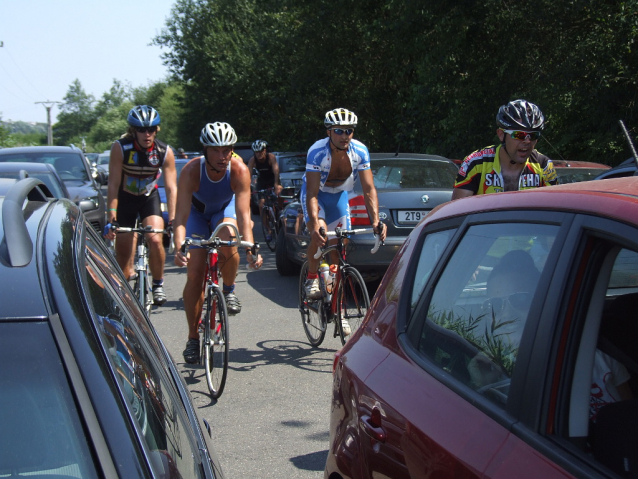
[47, 45]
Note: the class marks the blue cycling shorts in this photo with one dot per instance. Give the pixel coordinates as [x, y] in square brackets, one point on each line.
[333, 208]
[201, 225]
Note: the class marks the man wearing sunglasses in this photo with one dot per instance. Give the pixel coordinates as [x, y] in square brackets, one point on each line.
[137, 161]
[514, 164]
[333, 166]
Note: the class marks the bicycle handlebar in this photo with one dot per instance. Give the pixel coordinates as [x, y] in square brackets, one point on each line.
[124, 229]
[216, 242]
[342, 233]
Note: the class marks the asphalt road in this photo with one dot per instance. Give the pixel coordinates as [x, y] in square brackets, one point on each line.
[272, 419]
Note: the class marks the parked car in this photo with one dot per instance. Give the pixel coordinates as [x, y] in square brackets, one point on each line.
[292, 167]
[408, 186]
[626, 168]
[244, 149]
[46, 173]
[575, 171]
[87, 387]
[103, 165]
[74, 170]
[476, 358]
[161, 189]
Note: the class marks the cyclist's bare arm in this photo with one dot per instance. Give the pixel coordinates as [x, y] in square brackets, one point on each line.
[370, 198]
[275, 170]
[188, 183]
[170, 182]
[115, 177]
[461, 193]
[377, 238]
[313, 181]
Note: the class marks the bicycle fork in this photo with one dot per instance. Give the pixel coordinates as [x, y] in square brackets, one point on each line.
[142, 268]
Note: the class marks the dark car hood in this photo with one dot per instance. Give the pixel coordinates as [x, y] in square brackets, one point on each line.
[79, 190]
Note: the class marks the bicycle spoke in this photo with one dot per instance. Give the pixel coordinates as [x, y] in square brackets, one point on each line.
[313, 314]
[353, 303]
[216, 349]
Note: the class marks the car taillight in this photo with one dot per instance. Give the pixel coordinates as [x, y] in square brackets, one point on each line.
[358, 212]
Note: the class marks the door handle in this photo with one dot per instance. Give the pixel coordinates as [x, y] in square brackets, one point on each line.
[372, 425]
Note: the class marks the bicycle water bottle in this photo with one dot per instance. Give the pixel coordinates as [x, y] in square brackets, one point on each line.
[324, 277]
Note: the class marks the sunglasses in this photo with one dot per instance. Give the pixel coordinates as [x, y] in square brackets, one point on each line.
[341, 131]
[518, 301]
[524, 135]
[149, 129]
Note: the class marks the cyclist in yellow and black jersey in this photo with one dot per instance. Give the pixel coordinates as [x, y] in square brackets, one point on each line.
[514, 164]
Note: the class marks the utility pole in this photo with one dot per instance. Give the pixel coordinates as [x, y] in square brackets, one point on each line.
[48, 105]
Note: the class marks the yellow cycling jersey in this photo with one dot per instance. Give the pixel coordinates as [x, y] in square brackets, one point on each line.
[480, 172]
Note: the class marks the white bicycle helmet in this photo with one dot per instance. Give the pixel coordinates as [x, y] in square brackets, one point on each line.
[340, 117]
[218, 134]
[259, 145]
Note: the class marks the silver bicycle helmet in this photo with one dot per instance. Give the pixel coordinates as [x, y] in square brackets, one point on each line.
[259, 145]
[218, 134]
[143, 115]
[340, 117]
[520, 115]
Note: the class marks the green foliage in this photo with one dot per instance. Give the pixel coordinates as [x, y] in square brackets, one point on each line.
[109, 127]
[77, 115]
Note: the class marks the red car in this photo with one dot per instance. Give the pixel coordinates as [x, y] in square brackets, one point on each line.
[501, 343]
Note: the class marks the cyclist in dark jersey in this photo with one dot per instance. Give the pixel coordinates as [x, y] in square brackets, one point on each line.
[137, 160]
[214, 188]
[267, 169]
[514, 164]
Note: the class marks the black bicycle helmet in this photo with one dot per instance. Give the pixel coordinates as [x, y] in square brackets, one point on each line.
[520, 115]
[143, 115]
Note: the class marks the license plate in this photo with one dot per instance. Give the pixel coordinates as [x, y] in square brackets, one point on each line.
[410, 217]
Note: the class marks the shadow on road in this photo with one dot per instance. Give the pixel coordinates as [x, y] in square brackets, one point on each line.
[315, 461]
[285, 352]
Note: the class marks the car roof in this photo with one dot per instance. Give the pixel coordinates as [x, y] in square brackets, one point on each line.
[579, 164]
[603, 198]
[17, 166]
[43, 149]
[407, 156]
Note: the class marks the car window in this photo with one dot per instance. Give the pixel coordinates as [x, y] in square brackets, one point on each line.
[413, 174]
[575, 175]
[41, 434]
[294, 163]
[145, 385]
[70, 166]
[47, 178]
[473, 324]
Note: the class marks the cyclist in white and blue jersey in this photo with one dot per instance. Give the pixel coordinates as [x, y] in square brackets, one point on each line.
[333, 166]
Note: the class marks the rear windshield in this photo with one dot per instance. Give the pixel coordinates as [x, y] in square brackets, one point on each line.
[390, 174]
[70, 166]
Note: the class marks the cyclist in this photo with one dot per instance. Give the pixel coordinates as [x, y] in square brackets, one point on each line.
[268, 170]
[137, 160]
[212, 188]
[514, 164]
[333, 166]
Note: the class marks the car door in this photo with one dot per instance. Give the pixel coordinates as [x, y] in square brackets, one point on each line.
[449, 391]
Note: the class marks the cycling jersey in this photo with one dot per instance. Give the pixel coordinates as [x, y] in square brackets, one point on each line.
[141, 168]
[480, 172]
[266, 178]
[319, 159]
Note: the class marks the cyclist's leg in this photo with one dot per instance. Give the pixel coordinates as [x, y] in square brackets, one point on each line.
[228, 258]
[151, 215]
[128, 207]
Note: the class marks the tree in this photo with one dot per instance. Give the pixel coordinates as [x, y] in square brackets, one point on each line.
[77, 115]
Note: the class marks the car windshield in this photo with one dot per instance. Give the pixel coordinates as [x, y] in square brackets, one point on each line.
[47, 178]
[70, 166]
[178, 168]
[574, 175]
[104, 159]
[292, 163]
[390, 174]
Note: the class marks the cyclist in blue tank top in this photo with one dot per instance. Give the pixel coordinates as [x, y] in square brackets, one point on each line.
[333, 166]
[212, 189]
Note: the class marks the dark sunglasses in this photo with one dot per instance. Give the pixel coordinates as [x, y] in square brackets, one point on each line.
[341, 131]
[518, 301]
[149, 129]
[524, 135]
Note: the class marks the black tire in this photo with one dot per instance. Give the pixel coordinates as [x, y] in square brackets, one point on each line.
[313, 312]
[215, 343]
[268, 223]
[285, 266]
[143, 292]
[354, 302]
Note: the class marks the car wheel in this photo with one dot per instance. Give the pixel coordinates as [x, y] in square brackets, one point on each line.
[285, 266]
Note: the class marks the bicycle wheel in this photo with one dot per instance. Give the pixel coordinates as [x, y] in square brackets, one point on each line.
[313, 314]
[353, 302]
[142, 290]
[215, 344]
[268, 227]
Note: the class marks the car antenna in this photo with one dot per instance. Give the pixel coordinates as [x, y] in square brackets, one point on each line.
[553, 148]
[631, 143]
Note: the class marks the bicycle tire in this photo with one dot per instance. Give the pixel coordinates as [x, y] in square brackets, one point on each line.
[215, 343]
[266, 223]
[353, 301]
[313, 312]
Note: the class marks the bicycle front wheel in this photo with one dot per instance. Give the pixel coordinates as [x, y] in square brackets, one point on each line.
[215, 343]
[353, 303]
[313, 312]
[268, 227]
[142, 291]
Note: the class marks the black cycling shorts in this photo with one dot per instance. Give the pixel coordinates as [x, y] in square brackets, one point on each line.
[129, 207]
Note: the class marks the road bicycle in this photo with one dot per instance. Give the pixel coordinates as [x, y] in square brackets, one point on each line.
[143, 284]
[348, 301]
[271, 212]
[213, 325]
